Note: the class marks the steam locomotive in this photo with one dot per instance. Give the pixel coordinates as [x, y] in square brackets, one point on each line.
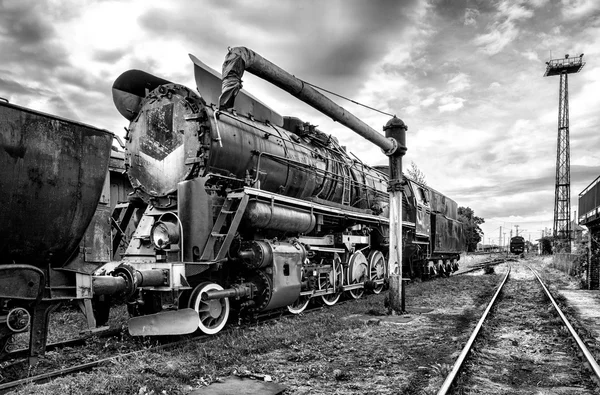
[250, 211]
[240, 209]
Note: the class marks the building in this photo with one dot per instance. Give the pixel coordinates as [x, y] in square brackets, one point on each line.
[589, 216]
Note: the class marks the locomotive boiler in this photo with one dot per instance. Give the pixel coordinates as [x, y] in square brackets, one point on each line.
[249, 211]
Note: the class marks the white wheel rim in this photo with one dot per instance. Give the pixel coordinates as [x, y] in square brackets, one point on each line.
[376, 269]
[299, 305]
[212, 314]
[357, 270]
[336, 276]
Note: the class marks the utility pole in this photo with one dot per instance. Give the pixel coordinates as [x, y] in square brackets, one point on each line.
[517, 230]
[395, 131]
[500, 238]
[562, 195]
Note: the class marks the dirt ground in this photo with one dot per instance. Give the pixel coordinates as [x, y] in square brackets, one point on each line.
[345, 349]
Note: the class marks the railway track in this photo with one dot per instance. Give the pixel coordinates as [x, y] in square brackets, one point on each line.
[484, 265]
[527, 346]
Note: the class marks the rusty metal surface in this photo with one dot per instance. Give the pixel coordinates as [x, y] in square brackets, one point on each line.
[176, 137]
[130, 88]
[161, 140]
[21, 282]
[290, 164]
[52, 172]
[443, 204]
[448, 237]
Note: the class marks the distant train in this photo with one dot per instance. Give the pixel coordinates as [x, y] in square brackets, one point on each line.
[517, 245]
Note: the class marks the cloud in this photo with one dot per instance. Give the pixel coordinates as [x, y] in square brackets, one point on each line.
[471, 15]
[500, 35]
[531, 55]
[577, 9]
[504, 30]
[459, 83]
[450, 103]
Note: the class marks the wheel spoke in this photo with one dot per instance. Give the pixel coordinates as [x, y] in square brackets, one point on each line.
[332, 280]
[299, 305]
[357, 273]
[212, 314]
[376, 269]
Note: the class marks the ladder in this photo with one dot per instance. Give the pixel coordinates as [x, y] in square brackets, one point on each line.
[226, 226]
[120, 217]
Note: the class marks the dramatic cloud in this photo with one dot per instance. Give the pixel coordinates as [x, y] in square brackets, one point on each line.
[466, 77]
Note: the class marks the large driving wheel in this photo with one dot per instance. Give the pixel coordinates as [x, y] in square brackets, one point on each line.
[334, 279]
[377, 266]
[212, 314]
[358, 269]
[299, 305]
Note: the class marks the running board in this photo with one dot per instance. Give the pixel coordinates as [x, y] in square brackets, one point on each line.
[175, 322]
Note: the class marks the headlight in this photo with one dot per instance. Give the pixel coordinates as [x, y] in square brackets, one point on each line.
[164, 233]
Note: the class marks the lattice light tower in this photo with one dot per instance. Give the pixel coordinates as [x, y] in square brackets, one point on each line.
[562, 196]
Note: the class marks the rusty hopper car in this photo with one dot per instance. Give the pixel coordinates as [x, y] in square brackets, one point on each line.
[250, 211]
[52, 171]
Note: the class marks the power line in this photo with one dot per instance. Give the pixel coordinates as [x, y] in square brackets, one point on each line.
[345, 98]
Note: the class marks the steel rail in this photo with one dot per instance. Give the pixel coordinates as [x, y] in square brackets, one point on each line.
[461, 358]
[23, 352]
[588, 355]
[44, 377]
[481, 266]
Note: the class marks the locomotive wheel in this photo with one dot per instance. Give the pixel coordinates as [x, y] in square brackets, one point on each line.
[454, 265]
[376, 269]
[299, 305]
[441, 268]
[333, 279]
[212, 314]
[357, 273]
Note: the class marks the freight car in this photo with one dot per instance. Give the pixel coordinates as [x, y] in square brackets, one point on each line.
[52, 171]
[517, 245]
[250, 211]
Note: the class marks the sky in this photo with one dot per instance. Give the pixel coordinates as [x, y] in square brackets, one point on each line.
[466, 76]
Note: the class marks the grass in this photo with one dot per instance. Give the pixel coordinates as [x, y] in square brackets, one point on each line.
[322, 353]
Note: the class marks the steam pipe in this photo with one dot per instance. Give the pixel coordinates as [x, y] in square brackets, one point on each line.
[241, 58]
[127, 280]
[236, 291]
